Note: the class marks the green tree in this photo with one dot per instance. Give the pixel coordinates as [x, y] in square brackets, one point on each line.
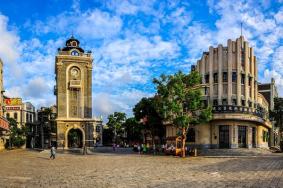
[179, 102]
[17, 135]
[115, 123]
[145, 110]
[277, 116]
[133, 129]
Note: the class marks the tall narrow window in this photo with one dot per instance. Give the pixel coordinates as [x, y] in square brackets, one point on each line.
[243, 79]
[215, 102]
[215, 78]
[206, 91]
[27, 117]
[225, 77]
[243, 102]
[250, 81]
[234, 77]
[234, 102]
[207, 78]
[16, 116]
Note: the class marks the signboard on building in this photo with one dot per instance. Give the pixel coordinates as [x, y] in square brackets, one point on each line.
[13, 108]
[13, 101]
[4, 124]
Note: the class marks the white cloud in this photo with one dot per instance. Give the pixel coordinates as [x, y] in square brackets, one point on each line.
[127, 61]
[279, 16]
[123, 7]
[9, 42]
[106, 103]
[97, 24]
[37, 88]
[94, 24]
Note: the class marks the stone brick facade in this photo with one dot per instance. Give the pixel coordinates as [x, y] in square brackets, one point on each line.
[73, 90]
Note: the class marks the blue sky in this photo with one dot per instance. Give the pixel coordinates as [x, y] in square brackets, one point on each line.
[132, 42]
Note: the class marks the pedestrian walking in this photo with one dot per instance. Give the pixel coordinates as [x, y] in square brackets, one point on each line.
[114, 146]
[52, 152]
[139, 149]
[154, 149]
[144, 148]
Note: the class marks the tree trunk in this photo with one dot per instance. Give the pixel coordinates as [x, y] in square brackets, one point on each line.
[184, 137]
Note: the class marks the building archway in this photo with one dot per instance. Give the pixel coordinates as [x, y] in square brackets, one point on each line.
[75, 138]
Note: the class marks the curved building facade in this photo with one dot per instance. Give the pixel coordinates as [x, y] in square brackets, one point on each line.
[240, 112]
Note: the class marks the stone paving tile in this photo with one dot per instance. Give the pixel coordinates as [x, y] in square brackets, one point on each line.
[33, 169]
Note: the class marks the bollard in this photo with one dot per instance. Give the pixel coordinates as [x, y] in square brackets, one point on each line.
[195, 152]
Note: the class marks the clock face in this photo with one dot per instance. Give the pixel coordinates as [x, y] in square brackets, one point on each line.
[75, 72]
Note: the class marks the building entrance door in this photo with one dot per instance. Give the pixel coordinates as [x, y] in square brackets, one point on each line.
[75, 138]
[224, 136]
[254, 137]
[242, 136]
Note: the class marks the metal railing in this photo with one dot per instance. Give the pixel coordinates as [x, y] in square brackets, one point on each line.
[260, 112]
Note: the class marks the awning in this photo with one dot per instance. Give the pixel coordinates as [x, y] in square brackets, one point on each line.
[4, 124]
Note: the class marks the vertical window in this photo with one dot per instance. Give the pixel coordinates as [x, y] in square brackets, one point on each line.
[250, 104]
[243, 103]
[225, 78]
[15, 116]
[74, 43]
[234, 77]
[224, 101]
[8, 115]
[27, 117]
[215, 78]
[250, 81]
[206, 91]
[215, 102]
[97, 129]
[207, 78]
[234, 102]
[243, 79]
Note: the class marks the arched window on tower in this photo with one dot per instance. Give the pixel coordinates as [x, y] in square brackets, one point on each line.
[75, 53]
[74, 43]
[16, 116]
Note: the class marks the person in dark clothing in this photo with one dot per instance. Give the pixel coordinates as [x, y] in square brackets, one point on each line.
[53, 152]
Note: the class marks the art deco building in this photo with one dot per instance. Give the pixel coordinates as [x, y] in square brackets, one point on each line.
[22, 112]
[240, 117]
[73, 90]
[4, 125]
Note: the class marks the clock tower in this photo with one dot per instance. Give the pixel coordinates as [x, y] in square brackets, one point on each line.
[73, 68]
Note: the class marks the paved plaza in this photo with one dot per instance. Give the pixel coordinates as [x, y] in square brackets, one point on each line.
[24, 168]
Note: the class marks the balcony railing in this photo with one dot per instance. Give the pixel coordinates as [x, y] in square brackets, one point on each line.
[260, 112]
[75, 83]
